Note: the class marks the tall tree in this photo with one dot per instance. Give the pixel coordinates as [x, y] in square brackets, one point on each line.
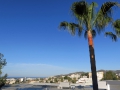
[2, 64]
[110, 75]
[90, 22]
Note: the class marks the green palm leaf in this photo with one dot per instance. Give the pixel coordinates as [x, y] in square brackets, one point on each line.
[106, 8]
[79, 9]
[71, 27]
[111, 35]
[104, 17]
[116, 26]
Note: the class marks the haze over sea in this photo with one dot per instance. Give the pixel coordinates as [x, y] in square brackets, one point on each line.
[34, 46]
[25, 77]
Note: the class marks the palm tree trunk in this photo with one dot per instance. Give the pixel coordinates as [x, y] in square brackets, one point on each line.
[92, 61]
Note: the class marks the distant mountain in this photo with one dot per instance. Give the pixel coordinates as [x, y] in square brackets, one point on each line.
[102, 70]
[69, 74]
[115, 71]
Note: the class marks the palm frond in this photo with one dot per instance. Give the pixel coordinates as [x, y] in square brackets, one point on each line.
[111, 35]
[80, 30]
[91, 12]
[93, 33]
[63, 25]
[71, 27]
[116, 26]
[106, 8]
[79, 9]
[104, 17]
[101, 22]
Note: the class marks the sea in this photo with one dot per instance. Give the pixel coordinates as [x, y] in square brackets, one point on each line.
[24, 77]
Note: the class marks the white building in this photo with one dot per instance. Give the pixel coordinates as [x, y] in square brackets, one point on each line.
[21, 79]
[99, 75]
[11, 81]
[74, 76]
[85, 79]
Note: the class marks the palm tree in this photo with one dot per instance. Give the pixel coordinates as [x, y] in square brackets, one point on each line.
[90, 22]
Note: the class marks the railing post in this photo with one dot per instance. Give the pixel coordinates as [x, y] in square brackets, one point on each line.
[108, 87]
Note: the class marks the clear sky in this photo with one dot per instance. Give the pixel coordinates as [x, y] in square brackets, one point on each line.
[33, 45]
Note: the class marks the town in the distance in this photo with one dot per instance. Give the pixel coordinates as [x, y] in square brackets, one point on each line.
[77, 77]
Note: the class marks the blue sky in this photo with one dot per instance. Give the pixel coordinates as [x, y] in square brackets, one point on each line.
[33, 45]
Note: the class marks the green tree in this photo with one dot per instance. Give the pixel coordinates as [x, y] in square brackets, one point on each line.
[74, 80]
[85, 74]
[55, 80]
[2, 64]
[61, 78]
[46, 81]
[37, 79]
[51, 81]
[66, 77]
[41, 79]
[17, 81]
[69, 79]
[90, 22]
[109, 75]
